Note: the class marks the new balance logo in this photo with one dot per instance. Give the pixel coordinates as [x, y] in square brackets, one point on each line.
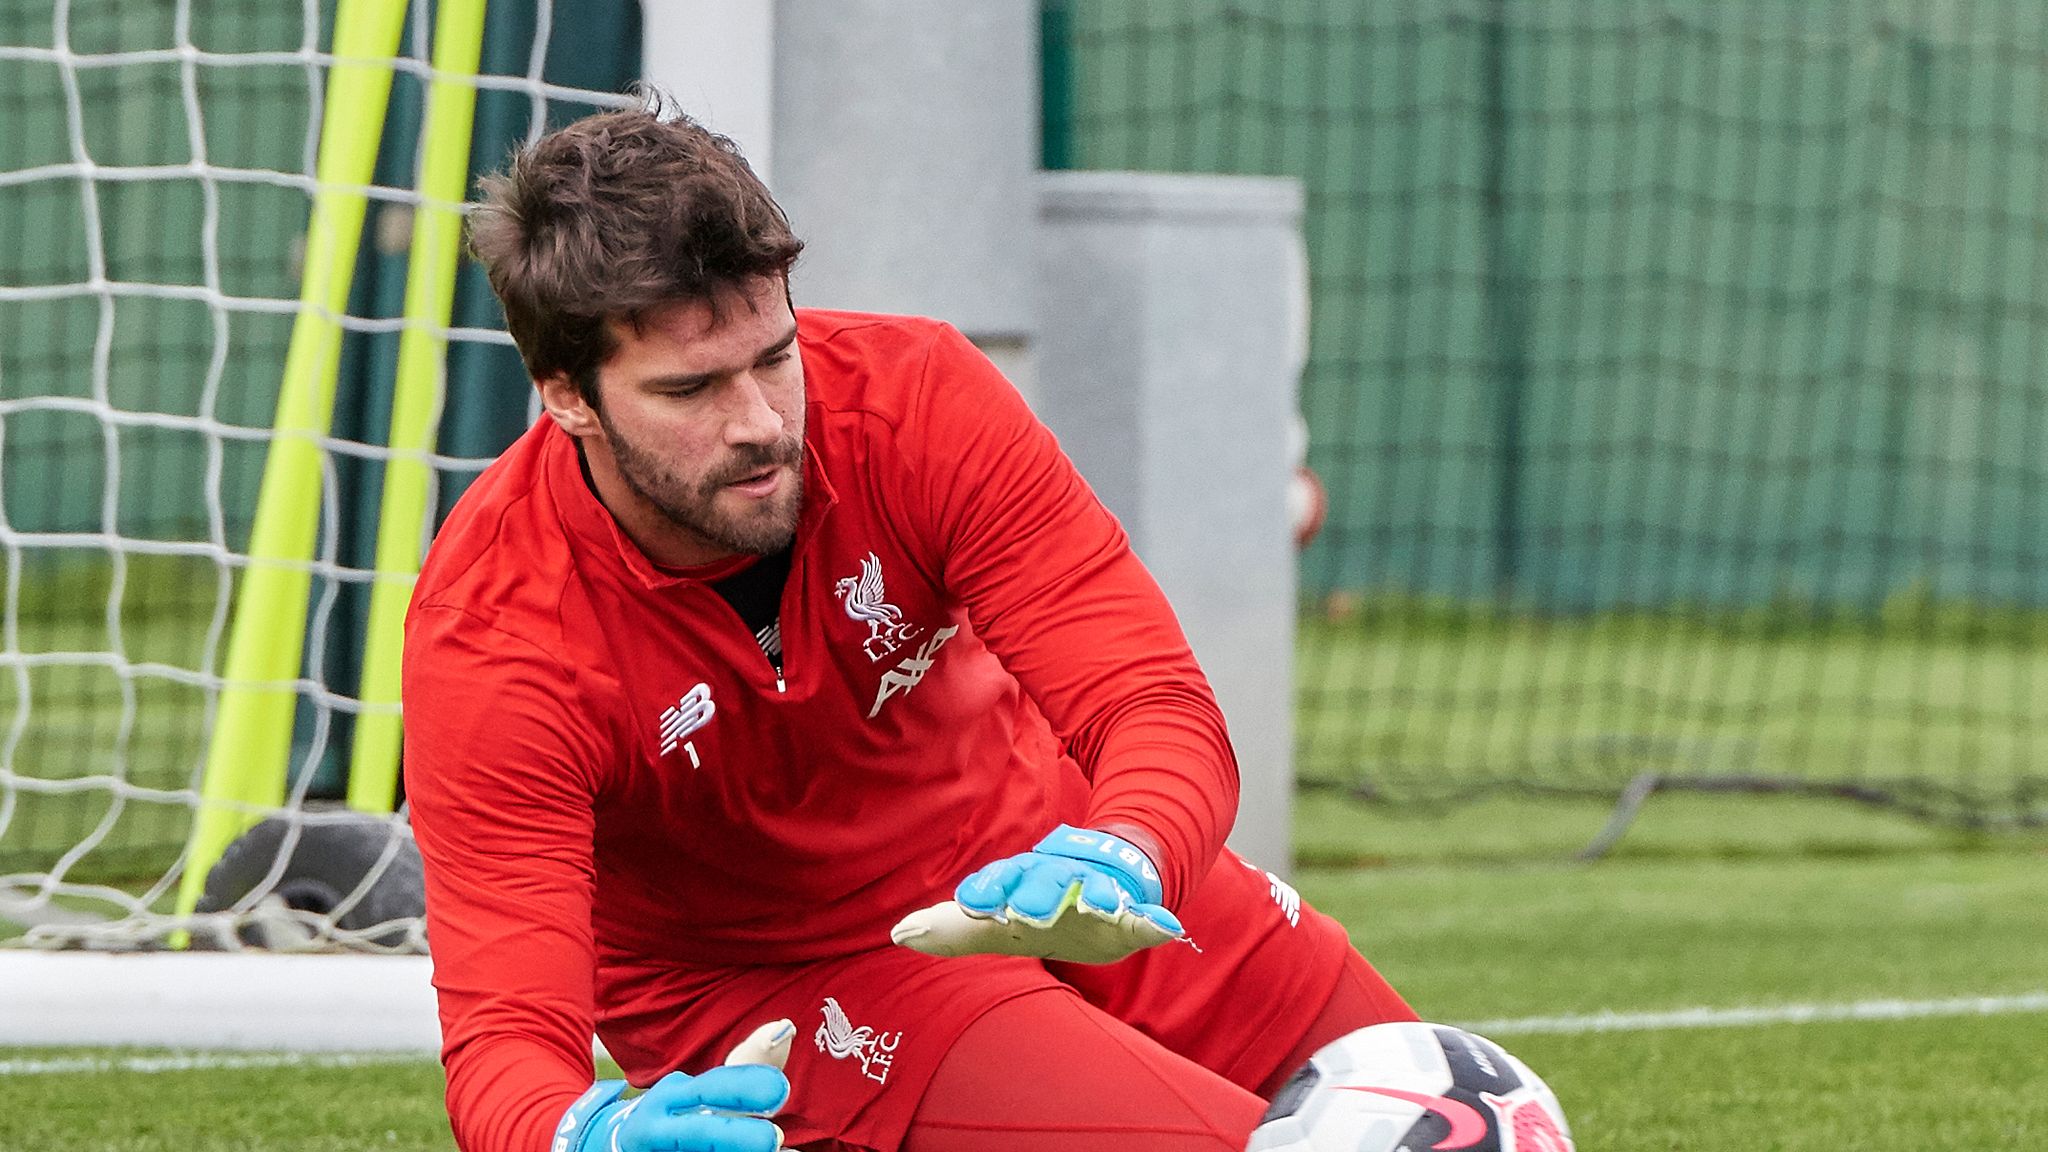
[1284, 895]
[911, 669]
[687, 715]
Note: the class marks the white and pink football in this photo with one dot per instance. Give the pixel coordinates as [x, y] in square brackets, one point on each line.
[1415, 1087]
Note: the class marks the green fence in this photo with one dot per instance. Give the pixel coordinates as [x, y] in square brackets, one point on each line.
[1677, 375]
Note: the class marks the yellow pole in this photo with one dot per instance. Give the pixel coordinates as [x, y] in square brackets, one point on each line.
[416, 401]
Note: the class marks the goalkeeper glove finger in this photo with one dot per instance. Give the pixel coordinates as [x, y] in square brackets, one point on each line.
[722, 1110]
[768, 1044]
[1071, 867]
[947, 929]
[1080, 895]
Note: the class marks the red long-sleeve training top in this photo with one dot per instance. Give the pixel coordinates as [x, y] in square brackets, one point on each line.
[604, 770]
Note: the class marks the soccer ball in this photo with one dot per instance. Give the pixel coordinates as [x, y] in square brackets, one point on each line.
[1414, 1087]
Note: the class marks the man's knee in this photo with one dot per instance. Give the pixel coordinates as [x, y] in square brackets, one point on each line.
[1047, 1070]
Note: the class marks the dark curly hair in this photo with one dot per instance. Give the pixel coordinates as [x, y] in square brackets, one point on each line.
[614, 215]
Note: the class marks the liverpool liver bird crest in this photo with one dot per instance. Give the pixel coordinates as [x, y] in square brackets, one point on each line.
[838, 1036]
[864, 600]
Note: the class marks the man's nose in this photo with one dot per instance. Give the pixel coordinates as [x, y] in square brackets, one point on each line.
[753, 419]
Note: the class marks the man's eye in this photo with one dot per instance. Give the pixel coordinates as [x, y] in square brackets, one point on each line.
[779, 358]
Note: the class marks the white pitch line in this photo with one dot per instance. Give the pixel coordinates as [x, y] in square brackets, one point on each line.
[1765, 1014]
[204, 1062]
[1522, 1026]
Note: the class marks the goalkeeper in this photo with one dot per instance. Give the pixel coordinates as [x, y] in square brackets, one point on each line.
[784, 692]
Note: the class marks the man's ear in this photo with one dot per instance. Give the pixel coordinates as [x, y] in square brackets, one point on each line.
[566, 406]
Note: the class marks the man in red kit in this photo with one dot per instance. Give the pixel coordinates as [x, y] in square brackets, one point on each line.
[785, 692]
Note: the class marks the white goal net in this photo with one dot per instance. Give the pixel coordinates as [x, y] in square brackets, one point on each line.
[159, 163]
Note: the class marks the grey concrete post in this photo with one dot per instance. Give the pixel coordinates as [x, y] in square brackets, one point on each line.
[906, 133]
[717, 58]
[1167, 364]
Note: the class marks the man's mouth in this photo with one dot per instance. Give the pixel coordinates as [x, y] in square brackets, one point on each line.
[758, 483]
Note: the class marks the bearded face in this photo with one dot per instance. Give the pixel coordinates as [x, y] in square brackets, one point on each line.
[694, 435]
[719, 501]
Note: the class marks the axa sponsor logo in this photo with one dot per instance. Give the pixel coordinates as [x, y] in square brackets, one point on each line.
[838, 1038]
[911, 669]
[684, 717]
[865, 600]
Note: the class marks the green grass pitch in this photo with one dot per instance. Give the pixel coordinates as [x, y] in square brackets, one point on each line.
[1478, 915]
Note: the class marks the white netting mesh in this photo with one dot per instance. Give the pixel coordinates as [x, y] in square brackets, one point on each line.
[157, 167]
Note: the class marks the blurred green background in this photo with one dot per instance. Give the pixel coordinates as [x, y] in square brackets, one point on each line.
[1676, 373]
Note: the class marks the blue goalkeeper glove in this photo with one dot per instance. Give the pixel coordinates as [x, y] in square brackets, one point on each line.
[723, 1110]
[1080, 895]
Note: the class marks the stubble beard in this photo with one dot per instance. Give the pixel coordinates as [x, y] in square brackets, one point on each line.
[767, 527]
